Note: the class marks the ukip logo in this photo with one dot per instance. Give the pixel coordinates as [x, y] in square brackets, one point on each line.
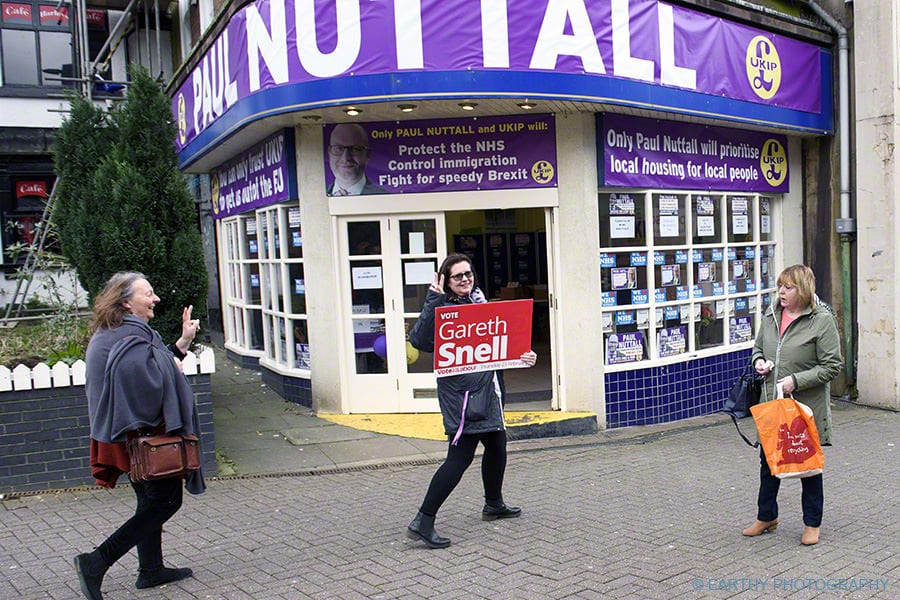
[773, 162]
[763, 67]
[182, 119]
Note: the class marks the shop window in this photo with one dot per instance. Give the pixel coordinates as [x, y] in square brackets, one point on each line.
[265, 285]
[622, 219]
[706, 219]
[705, 272]
[668, 220]
[740, 219]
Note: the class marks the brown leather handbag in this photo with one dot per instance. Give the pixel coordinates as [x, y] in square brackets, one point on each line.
[163, 456]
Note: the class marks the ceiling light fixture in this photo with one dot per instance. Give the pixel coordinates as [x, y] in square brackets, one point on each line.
[352, 111]
[467, 105]
[406, 107]
[526, 105]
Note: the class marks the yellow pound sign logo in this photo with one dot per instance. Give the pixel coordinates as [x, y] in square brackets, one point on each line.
[182, 119]
[542, 171]
[214, 194]
[773, 163]
[763, 67]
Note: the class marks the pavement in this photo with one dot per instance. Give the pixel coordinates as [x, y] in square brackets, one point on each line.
[649, 512]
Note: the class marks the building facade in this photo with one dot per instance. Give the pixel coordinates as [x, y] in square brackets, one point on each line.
[641, 170]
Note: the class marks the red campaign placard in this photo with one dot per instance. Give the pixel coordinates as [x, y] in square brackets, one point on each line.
[481, 337]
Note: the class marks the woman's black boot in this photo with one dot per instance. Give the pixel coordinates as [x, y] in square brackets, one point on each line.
[422, 528]
[91, 568]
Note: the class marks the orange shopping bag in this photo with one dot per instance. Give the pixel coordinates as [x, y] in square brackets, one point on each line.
[789, 437]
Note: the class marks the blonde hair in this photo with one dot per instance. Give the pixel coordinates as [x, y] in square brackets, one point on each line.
[109, 308]
[802, 278]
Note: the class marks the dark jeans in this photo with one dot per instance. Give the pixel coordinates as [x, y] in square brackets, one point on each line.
[459, 457]
[157, 501]
[812, 497]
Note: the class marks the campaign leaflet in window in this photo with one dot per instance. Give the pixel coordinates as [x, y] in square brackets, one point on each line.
[741, 330]
[624, 348]
[671, 341]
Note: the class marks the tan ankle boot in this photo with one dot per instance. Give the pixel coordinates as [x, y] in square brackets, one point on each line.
[760, 527]
[810, 536]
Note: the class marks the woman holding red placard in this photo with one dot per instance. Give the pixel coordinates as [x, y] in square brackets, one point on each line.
[471, 406]
[797, 348]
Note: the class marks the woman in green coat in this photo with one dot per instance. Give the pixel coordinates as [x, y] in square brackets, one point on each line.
[798, 348]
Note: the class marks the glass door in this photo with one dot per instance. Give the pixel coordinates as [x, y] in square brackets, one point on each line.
[387, 265]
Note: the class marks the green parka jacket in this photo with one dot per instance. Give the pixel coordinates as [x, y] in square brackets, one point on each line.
[809, 351]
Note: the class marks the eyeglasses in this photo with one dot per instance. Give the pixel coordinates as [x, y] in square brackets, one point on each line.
[337, 150]
[460, 276]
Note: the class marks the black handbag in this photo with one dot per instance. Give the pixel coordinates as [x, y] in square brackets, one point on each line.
[744, 394]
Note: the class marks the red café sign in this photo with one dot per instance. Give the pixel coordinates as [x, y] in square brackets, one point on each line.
[13, 11]
[31, 188]
[50, 15]
[481, 337]
[96, 17]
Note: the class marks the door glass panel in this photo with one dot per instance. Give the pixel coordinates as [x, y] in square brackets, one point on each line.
[370, 345]
[363, 237]
[418, 274]
[366, 281]
[417, 361]
[417, 236]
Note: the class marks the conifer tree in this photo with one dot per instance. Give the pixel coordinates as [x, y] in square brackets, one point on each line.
[128, 207]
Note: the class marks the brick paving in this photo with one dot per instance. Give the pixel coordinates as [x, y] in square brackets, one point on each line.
[649, 517]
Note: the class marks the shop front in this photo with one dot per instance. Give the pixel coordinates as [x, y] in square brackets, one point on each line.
[644, 201]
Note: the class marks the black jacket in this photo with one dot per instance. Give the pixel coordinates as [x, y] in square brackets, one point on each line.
[484, 410]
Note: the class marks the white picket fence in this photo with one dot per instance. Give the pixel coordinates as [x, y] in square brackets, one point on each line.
[62, 375]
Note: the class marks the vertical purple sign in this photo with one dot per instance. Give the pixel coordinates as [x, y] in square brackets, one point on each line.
[488, 153]
[261, 175]
[636, 152]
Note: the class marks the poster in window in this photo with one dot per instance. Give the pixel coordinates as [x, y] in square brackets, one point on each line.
[739, 221]
[621, 227]
[640, 296]
[706, 226]
[659, 317]
[607, 322]
[607, 299]
[671, 275]
[669, 226]
[624, 278]
[621, 204]
[739, 269]
[671, 341]
[685, 313]
[624, 347]
[302, 352]
[741, 330]
[765, 223]
[607, 260]
[706, 272]
[643, 319]
[705, 206]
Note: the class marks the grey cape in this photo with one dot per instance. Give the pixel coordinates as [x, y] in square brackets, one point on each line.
[132, 382]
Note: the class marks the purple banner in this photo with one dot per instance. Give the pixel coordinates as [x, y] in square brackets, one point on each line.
[447, 155]
[638, 152]
[271, 43]
[259, 176]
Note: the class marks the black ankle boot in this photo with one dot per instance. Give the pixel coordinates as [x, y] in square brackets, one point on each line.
[148, 578]
[499, 511]
[422, 528]
[90, 569]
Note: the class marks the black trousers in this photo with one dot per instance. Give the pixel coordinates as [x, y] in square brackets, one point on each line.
[459, 457]
[157, 501]
[812, 497]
